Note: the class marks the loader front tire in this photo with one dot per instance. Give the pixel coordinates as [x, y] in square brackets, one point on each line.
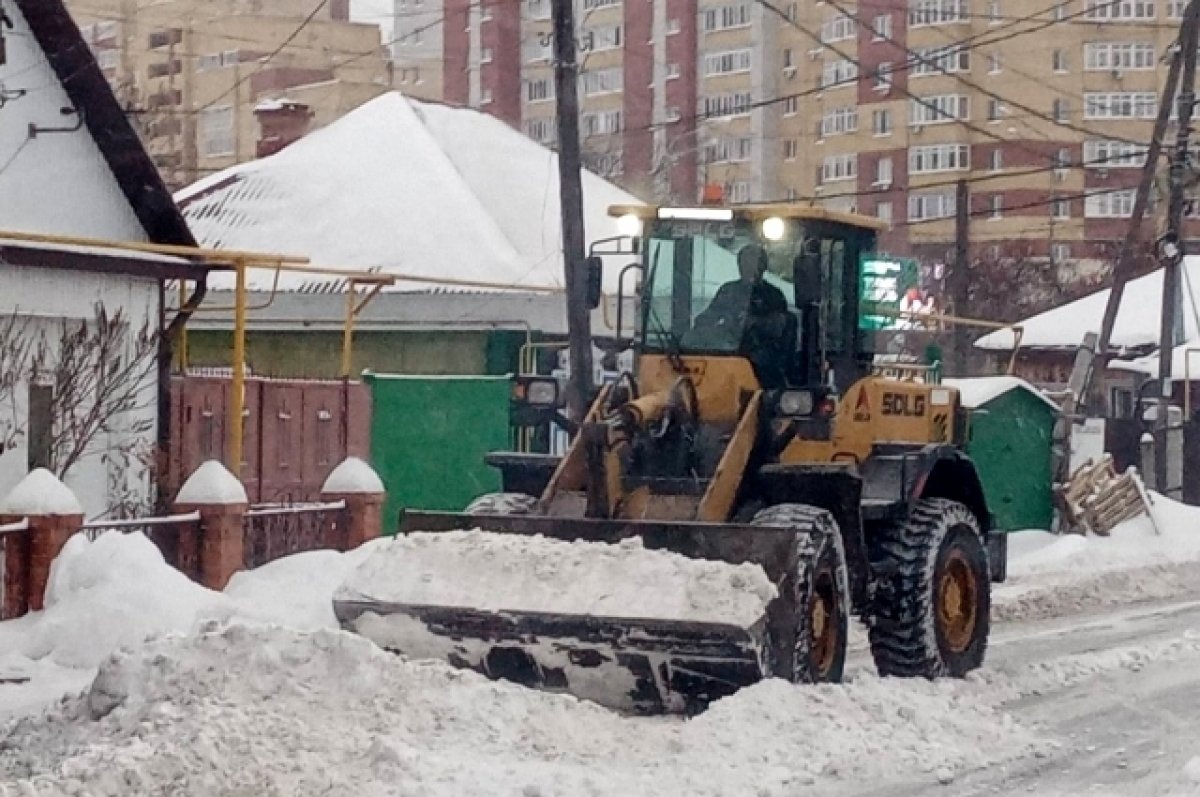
[501, 504]
[814, 649]
[930, 613]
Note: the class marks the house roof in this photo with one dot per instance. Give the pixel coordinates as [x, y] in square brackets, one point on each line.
[1137, 325]
[72, 60]
[107, 260]
[406, 188]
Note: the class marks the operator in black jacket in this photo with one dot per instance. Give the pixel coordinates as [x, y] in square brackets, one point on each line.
[753, 313]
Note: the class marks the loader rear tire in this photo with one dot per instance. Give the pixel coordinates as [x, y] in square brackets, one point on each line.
[820, 593]
[930, 613]
[501, 504]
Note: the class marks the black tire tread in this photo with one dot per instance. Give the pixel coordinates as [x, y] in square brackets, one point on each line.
[900, 626]
[502, 504]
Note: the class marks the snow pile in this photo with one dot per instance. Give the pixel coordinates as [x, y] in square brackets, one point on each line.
[1052, 575]
[107, 594]
[1191, 770]
[296, 591]
[273, 711]
[510, 572]
[979, 390]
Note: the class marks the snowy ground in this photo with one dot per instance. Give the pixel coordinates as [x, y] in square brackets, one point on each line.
[1092, 686]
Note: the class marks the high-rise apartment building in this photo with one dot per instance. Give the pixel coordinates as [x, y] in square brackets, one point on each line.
[211, 83]
[879, 106]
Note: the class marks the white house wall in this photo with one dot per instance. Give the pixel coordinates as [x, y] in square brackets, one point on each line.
[54, 182]
[46, 296]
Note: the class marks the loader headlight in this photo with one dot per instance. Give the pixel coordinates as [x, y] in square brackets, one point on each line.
[774, 228]
[796, 402]
[541, 392]
[630, 225]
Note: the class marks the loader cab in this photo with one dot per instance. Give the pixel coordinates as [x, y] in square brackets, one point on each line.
[696, 299]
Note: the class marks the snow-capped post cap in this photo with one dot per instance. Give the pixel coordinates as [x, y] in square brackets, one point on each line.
[212, 485]
[41, 494]
[353, 476]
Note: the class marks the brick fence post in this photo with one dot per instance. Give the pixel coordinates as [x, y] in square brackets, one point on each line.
[356, 483]
[221, 500]
[54, 515]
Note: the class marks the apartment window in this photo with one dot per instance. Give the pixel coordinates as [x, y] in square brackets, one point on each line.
[734, 104]
[1104, 154]
[539, 9]
[836, 168]
[727, 63]
[485, 14]
[1175, 9]
[725, 17]
[1120, 105]
[936, 12]
[485, 55]
[883, 172]
[743, 149]
[881, 122]
[673, 113]
[791, 106]
[1122, 10]
[995, 110]
[739, 191]
[604, 37]
[881, 27]
[1110, 205]
[1103, 56]
[791, 195]
[940, 60]
[673, 71]
[602, 81]
[216, 132]
[416, 36]
[791, 12]
[938, 109]
[603, 123]
[789, 149]
[1061, 10]
[1058, 60]
[588, 5]
[539, 90]
[485, 97]
[839, 120]
[994, 66]
[939, 158]
[995, 17]
[838, 28]
[838, 72]
[883, 211]
[996, 159]
[1061, 110]
[787, 58]
[996, 206]
[673, 27]
[208, 61]
[932, 205]
[883, 76]
[1061, 209]
[536, 51]
[1060, 253]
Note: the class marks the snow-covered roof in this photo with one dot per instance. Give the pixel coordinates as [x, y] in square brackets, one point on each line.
[976, 391]
[402, 187]
[1137, 321]
[1185, 362]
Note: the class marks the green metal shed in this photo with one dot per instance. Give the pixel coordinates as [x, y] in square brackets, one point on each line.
[1011, 429]
[429, 435]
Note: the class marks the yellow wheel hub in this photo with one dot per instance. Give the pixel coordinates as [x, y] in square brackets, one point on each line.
[823, 627]
[956, 608]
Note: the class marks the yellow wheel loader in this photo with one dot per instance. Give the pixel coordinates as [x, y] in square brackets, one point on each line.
[753, 428]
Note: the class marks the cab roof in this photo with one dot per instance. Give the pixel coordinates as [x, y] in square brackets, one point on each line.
[786, 210]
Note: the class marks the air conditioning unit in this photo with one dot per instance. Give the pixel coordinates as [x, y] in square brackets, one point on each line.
[1117, 74]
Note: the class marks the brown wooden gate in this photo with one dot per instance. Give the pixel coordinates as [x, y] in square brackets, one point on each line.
[295, 432]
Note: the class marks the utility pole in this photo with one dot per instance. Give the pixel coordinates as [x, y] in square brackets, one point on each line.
[960, 276]
[1171, 246]
[1123, 270]
[570, 192]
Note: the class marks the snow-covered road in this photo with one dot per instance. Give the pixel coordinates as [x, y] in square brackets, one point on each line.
[1118, 694]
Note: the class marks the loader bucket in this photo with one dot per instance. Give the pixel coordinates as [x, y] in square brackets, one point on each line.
[636, 664]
